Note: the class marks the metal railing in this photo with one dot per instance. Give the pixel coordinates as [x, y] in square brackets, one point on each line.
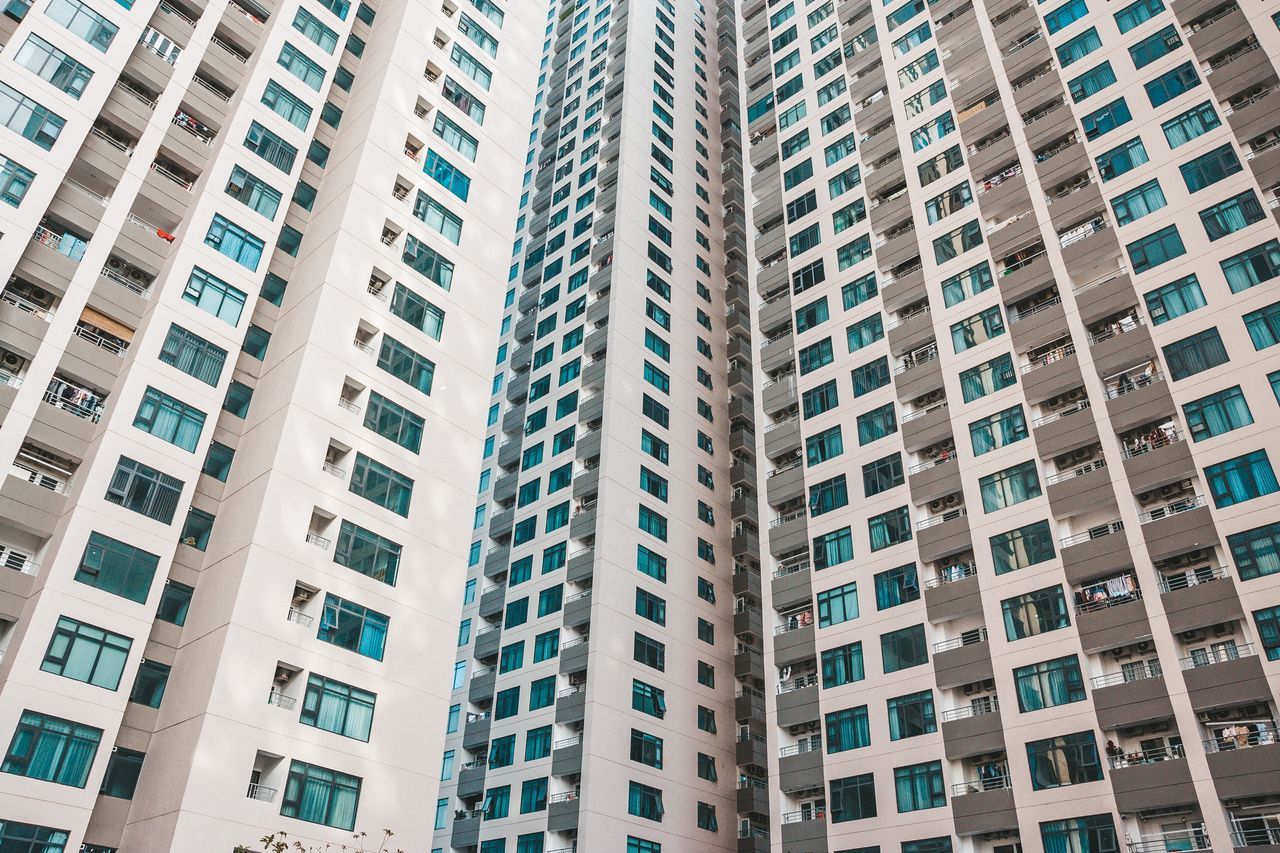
[1210, 656]
[949, 515]
[275, 697]
[261, 792]
[1161, 437]
[1146, 756]
[977, 786]
[1257, 734]
[1126, 384]
[317, 540]
[799, 683]
[804, 815]
[115, 347]
[303, 619]
[331, 468]
[140, 289]
[1181, 839]
[74, 399]
[911, 416]
[813, 744]
[1055, 355]
[1192, 577]
[1259, 830]
[1078, 471]
[1101, 530]
[1062, 413]
[1171, 509]
[952, 573]
[968, 638]
[976, 708]
[21, 304]
[1138, 672]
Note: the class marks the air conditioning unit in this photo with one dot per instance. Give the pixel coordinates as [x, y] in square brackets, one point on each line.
[1191, 636]
[1077, 394]
[1120, 652]
[937, 505]
[1145, 498]
[12, 360]
[952, 500]
[1170, 490]
[1144, 646]
[283, 674]
[1054, 402]
[1223, 629]
[1082, 454]
[114, 263]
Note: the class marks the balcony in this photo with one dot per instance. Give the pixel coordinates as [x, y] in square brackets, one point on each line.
[984, 805]
[1092, 552]
[1198, 598]
[918, 373]
[793, 641]
[1079, 490]
[1037, 325]
[807, 828]
[924, 427]
[1257, 832]
[973, 729]
[466, 829]
[1245, 766]
[1052, 373]
[1134, 696]
[953, 593]
[571, 704]
[261, 793]
[791, 583]
[1162, 842]
[753, 795]
[566, 757]
[1150, 779]
[800, 765]
[1182, 525]
[1157, 458]
[789, 532]
[1135, 397]
[471, 779]
[943, 534]
[797, 700]
[962, 660]
[1219, 677]
[1120, 344]
[934, 478]
[1110, 614]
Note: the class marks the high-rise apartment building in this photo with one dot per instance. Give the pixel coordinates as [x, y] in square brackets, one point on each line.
[248, 318]
[981, 477]
[1019, 268]
[880, 444]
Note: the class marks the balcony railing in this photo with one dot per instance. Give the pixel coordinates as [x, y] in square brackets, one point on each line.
[1171, 509]
[275, 697]
[952, 573]
[1116, 526]
[137, 287]
[303, 619]
[1222, 654]
[317, 540]
[804, 815]
[1181, 839]
[799, 683]
[1078, 471]
[1138, 672]
[1061, 413]
[1126, 384]
[795, 622]
[1255, 830]
[1193, 577]
[332, 468]
[1108, 592]
[995, 782]
[968, 638]
[261, 792]
[920, 413]
[1162, 436]
[813, 744]
[1146, 756]
[1054, 355]
[1243, 736]
[115, 346]
[976, 708]
[943, 518]
[21, 304]
[39, 478]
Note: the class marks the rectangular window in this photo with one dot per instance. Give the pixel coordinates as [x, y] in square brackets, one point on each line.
[353, 627]
[912, 715]
[214, 296]
[446, 174]
[1241, 479]
[1195, 354]
[438, 217]
[1022, 547]
[15, 180]
[847, 729]
[1138, 202]
[999, 430]
[870, 376]
[889, 528]
[1064, 760]
[1148, 50]
[1252, 267]
[453, 134]
[1137, 13]
[470, 66]
[117, 568]
[919, 786]
[337, 707]
[876, 424]
[1174, 299]
[270, 147]
[1125, 157]
[853, 798]
[422, 258]
[385, 487]
[234, 242]
[393, 421]
[903, 649]
[1010, 486]
[285, 104]
[1092, 833]
[1106, 119]
[1172, 83]
[1207, 169]
[1256, 552]
[82, 21]
[1232, 215]
[896, 586]
[882, 474]
[87, 653]
[1035, 613]
[52, 749]
[1217, 413]
[144, 490]
[842, 665]
[1075, 49]
[1049, 683]
[319, 795]
[368, 553]
[832, 549]
[169, 419]
[53, 66]
[837, 605]
[296, 63]
[405, 364]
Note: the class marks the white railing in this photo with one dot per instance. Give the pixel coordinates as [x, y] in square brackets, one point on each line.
[261, 792]
[952, 573]
[1224, 654]
[1055, 355]
[976, 708]
[968, 638]
[275, 697]
[140, 289]
[1181, 839]
[1162, 436]
[1138, 672]
[949, 515]
[1192, 577]
[1062, 413]
[115, 347]
[1125, 384]
[1171, 509]
[799, 683]
[920, 413]
[1257, 734]
[813, 744]
[74, 399]
[1146, 756]
[1078, 471]
[296, 615]
[1255, 830]
[171, 176]
[1016, 316]
[331, 468]
[1093, 533]
[997, 782]
[317, 540]
[21, 304]
[1102, 594]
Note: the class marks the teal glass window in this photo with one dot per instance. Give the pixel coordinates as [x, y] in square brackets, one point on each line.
[337, 707]
[1035, 613]
[353, 627]
[319, 795]
[52, 749]
[87, 653]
